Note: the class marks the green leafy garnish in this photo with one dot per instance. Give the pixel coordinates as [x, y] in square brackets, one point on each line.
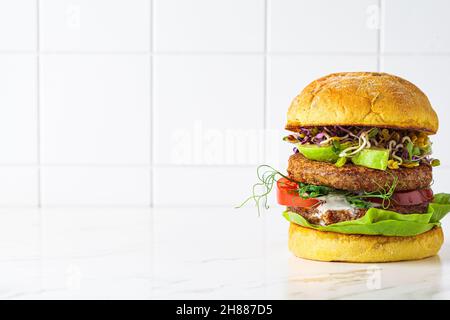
[409, 148]
[336, 146]
[384, 193]
[266, 179]
[307, 191]
[268, 176]
[384, 222]
[416, 151]
[341, 162]
[435, 162]
[372, 133]
[359, 203]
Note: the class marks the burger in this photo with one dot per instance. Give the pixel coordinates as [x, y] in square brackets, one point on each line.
[358, 184]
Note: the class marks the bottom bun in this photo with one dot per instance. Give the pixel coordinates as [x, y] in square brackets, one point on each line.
[330, 246]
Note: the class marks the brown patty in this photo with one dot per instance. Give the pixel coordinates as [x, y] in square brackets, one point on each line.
[334, 216]
[356, 178]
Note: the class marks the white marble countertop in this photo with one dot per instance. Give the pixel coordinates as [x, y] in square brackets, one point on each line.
[187, 253]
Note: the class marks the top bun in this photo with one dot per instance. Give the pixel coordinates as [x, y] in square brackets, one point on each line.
[362, 99]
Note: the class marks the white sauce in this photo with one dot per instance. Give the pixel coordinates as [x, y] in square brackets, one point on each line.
[333, 202]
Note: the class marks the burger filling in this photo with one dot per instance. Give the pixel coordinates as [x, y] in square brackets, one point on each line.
[377, 148]
[324, 205]
[328, 212]
[357, 180]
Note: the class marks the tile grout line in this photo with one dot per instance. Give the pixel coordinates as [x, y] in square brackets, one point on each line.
[38, 105]
[151, 89]
[233, 53]
[264, 146]
[265, 100]
[129, 166]
[151, 131]
[38, 142]
[379, 31]
[119, 165]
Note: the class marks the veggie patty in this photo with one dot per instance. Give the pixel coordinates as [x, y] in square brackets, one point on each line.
[351, 177]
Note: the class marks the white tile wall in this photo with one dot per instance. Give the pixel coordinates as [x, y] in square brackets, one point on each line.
[95, 186]
[323, 26]
[416, 26]
[18, 25]
[18, 109]
[95, 109]
[222, 186]
[95, 25]
[226, 94]
[209, 25]
[165, 102]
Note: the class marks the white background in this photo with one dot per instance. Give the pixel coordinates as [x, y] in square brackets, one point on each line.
[175, 102]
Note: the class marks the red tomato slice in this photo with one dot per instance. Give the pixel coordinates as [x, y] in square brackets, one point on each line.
[287, 195]
[414, 197]
[408, 198]
[427, 193]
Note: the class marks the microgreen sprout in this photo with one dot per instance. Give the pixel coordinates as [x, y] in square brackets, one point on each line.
[267, 177]
[407, 148]
[384, 193]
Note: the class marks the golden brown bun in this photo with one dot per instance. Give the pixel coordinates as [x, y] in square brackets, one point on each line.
[362, 99]
[330, 246]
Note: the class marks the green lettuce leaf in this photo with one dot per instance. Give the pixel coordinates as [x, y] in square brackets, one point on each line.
[439, 207]
[384, 222]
